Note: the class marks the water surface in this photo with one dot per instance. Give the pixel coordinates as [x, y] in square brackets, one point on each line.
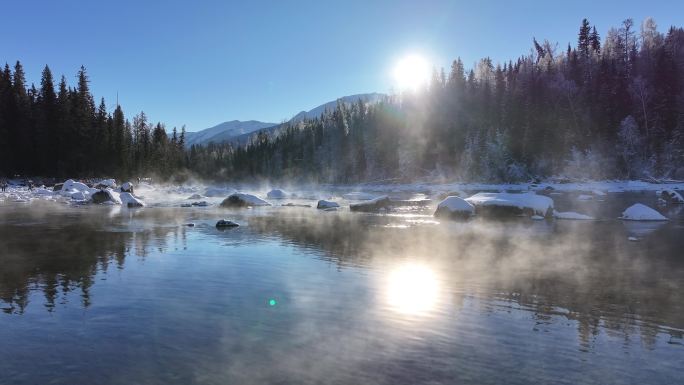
[300, 296]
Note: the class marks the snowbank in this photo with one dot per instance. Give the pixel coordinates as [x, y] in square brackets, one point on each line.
[512, 204]
[572, 215]
[640, 212]
[323, 204]
[243, 200]
[277, 194]
[454, 207]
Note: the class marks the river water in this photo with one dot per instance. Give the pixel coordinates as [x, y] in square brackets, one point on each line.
[104, 295]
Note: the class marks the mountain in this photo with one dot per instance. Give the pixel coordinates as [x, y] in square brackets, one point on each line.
[225, 131]
[240, 132]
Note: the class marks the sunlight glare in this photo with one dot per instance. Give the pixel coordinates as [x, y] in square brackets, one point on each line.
[411, 73]
[412, 289]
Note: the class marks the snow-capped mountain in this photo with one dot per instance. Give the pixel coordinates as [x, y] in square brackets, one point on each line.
[225, 131]
[240, 132]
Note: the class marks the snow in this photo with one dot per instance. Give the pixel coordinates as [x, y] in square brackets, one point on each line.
[323, 204]
[72, 185]
[538, 204]
[126, 186]
[572, 215]
[640, 212]
[42, 191]
[128, 200]
[379, 203]
[277, 194]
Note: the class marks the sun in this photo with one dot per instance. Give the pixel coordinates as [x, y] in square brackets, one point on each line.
[411, 73]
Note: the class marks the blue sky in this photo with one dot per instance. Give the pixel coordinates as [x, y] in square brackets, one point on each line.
[200, 63]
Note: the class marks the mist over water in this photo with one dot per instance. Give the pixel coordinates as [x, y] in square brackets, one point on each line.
[298, 295]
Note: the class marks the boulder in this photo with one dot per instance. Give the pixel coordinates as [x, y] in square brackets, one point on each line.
[106, 183]
[372, 205]
[454, 207]
[226, 223]
[276, 194]
[127, 187]
[323, 204]
[508, 204]
[243, 200]
[104, 196]
[640, 212]
[670, 196]
[128, 200]
[57, 187]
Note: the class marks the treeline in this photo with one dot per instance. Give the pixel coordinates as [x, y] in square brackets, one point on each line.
[62, 132]
[604, 108]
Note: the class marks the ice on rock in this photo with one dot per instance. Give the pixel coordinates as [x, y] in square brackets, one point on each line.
[323, 204]
[512, 204]
[641, 212]
[455, 207]
[277, 194]
[572, 215]
[243, 200]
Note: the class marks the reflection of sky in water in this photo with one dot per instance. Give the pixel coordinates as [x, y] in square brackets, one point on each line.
[309, 297]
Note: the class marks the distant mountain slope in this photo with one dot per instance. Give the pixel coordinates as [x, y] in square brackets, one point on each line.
[225, 131]
[240, 132]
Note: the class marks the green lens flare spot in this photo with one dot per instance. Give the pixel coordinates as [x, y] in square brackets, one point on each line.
[272, 302]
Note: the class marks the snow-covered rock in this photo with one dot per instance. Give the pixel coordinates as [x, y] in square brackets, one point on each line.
[359, 196]
[195, 196]
[42, 191]
[382, 202]
[127, 187]
[572, 215]
[106, 195]
[323, 204]
[106, 183]
[128, 200]
[277, 194]
[511, 204]
[243, 200]
[72, 185]
[670, 196]
[640, 212]
[80, 196]
[455, 207]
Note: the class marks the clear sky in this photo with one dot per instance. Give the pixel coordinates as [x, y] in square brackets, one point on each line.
[200, 63]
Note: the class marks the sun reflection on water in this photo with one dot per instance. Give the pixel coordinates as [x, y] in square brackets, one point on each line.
[412, 289]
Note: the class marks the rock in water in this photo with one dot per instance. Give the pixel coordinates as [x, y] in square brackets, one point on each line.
[323, 204]
[57, 187]
[509, 204]
[670, 196]
[372, 205]
[127, 187]
[225, 223]
[640, 212]
[129, 200]
[103, 196]
[243, 200]
[276, 194]
[454, 207]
